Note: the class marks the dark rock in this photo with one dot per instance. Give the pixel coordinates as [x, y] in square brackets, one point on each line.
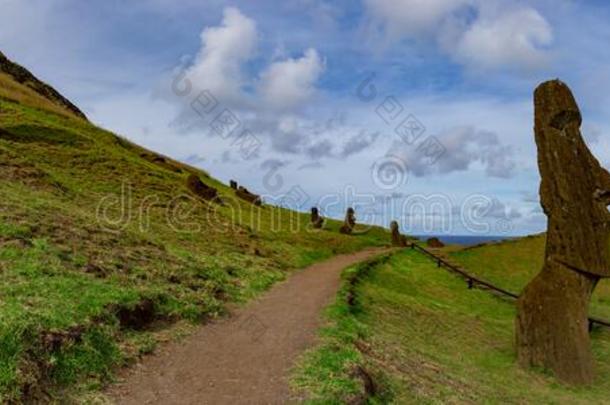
[138, 316]
[233, 184]
[246, 195]
[367, 390]
[435, 243]
[195, 185]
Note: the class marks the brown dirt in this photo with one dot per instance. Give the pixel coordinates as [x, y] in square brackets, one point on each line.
[247, 358]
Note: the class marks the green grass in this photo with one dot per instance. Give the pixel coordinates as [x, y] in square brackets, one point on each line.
[67, 272]
[426, 338]
[512, 264]
[326, 375]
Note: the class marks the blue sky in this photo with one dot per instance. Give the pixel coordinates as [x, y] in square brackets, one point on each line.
[321, 87]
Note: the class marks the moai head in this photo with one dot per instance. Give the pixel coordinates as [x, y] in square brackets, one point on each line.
[575, 189]
[316, 220]
[314, 214]
[233, 184]
[350, 217]
[349, 223]
[394, 227]
[397, 239]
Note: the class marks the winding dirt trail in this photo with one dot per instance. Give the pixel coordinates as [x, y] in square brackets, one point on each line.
[245, 359]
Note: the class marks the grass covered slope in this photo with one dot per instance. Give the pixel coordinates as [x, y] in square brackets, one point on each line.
[512, 264]
[99, 237]
[425, 338]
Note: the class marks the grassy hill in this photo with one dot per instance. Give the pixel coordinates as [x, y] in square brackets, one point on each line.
[102, 246]
[422, 337]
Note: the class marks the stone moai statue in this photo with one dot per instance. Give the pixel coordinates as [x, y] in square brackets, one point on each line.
[397, 239]
[316, 220]
[349, 223]
[552, 312]
[233, 184]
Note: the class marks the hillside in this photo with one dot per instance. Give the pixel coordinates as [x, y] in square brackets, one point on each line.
[415, 334]
[18, 83]
[512, 264]
[104, 249]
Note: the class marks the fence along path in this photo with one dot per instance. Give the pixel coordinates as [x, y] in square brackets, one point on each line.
[474, 281]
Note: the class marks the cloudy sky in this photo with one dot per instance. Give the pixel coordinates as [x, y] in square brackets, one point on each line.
[415, 110]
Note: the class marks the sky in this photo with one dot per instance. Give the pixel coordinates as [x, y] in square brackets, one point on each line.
[418, 111]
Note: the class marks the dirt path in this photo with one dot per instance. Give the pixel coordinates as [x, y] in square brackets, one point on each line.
[245, 359]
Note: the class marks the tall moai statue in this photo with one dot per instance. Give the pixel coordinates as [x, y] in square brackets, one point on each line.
[552, 312]
[349, 223]
[316, 220]
[397, 239]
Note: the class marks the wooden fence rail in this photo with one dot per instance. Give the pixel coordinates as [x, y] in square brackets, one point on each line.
[475, 281]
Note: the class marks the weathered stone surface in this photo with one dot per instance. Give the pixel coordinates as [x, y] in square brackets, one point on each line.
[316, 220]
[246, 195]
[552, 311]
[435, 243]
[349, 223]
[201, 189]
[397, 238]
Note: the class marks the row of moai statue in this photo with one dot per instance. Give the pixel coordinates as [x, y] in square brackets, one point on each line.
[317, 221]
[245, 194]
[552, 326]
[349, 224]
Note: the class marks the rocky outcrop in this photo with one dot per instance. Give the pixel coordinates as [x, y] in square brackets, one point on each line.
[23, 76]
[202, 190]
[551, 325]
[246, 195]
[435, 243]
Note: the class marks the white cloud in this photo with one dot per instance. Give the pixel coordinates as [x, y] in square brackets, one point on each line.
[411, 17]
[265, 103]
[516, 38]
[480, 34]
[224, 49]
[463, 147]
[288, 83]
